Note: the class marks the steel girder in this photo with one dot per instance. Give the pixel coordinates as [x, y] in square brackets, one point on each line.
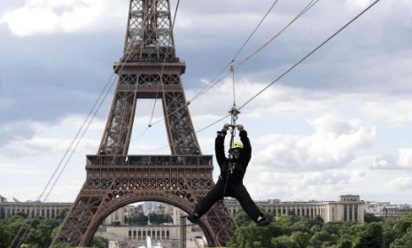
[148, 69]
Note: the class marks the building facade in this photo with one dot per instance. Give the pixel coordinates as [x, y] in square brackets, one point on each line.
[347, 208]
[49, 210]
[387, 210]
[34, 209]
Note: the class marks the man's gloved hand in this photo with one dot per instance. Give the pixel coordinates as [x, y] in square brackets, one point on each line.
[225, 127]
[240, 128]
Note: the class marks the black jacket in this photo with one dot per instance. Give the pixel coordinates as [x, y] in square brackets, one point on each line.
[240, 164]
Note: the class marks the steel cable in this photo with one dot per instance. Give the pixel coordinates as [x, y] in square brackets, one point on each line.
[313, 51]
[205, 89]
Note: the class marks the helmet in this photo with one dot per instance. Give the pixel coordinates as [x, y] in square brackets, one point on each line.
[236, 145]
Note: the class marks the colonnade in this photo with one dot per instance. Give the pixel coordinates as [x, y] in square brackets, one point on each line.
[33, 210]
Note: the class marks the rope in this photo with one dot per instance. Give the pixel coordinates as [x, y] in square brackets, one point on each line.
[313, 51]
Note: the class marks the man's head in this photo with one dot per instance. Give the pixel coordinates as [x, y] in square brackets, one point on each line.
[236, 149]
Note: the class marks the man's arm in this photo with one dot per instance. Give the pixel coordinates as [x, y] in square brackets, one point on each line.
[247, 148]
[220, 145]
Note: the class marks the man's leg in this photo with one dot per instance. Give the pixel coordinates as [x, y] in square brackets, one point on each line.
[249, 205]
[206, 203]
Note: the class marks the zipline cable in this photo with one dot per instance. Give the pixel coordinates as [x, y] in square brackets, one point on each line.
[308, 7]
[260, 23]
[202, 91]
[313, 51]
[243, 46]
[211, 84]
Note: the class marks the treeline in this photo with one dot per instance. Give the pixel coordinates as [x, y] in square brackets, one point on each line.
[41, 233]
[288, 231]
[142, 220]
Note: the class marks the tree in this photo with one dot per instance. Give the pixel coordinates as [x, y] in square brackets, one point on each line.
[369, 235]
[404, 242]
[61, 215]
[403, 224]
[5, 238]
[100, 242]
[284, 241]
[22, 214]
[255, 236]
[321, 237]
[301, 238]
[61, 246]
[242, 218]
[369, 218]
[2, 214]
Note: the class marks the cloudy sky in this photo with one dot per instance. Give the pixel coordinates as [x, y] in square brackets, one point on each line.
[340, 123]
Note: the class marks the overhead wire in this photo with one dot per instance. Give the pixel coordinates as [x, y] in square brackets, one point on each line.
[313, 51]
[254, 31]
[211, 84]
[308, 7]
[204, 89]
[238, 52]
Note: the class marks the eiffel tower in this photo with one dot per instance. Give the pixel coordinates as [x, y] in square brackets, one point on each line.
[149, 69]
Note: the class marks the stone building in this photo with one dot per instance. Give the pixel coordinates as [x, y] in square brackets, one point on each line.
[49, 210]
[347, 208]
[34, 209]
[387, 210]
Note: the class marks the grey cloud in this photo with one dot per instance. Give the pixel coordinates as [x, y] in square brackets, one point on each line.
[16, 131]
[62, 74]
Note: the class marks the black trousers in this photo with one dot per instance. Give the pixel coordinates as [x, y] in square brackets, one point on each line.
[236, 190]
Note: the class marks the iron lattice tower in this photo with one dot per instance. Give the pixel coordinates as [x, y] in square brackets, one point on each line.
[150, 69]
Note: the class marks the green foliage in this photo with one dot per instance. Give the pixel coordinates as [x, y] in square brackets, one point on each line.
[369, 235]
[141, 219]
[22, 214]
[61, 215]
[2, 214]
[369, 218]
[404, 242]
[242, 218]
[254, 236]
[100, 242]
[61, 246]
[404, 223]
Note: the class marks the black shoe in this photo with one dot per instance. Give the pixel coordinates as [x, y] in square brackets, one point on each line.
[193, 218]
[263, 222]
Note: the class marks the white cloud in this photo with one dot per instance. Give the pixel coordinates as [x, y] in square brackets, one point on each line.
[400, 183]
[46, 147]
[304, 185]
[15, 131]
[333, 144]
[58, 16]
[401, 161]
[9, 168]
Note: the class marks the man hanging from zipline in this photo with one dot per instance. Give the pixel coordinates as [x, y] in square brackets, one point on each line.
[230, 183]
